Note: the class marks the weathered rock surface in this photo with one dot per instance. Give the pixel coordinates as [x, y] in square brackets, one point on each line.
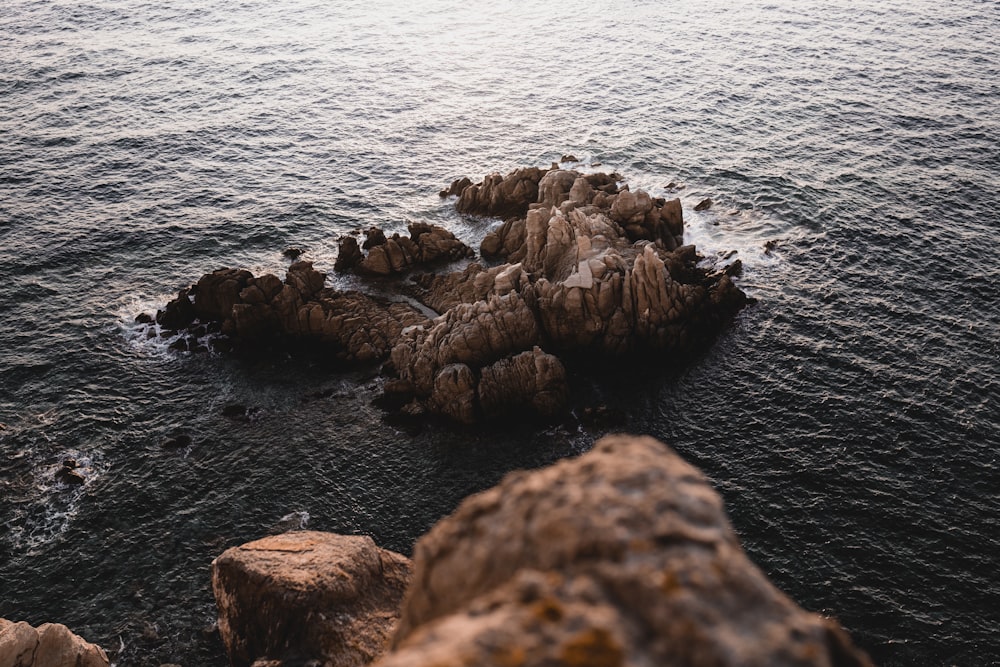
[591, 270]
[426, 244]
[48, 645]
[588, 269]
[353, 326]
[498, 195]
[623, 556]
[306, 595]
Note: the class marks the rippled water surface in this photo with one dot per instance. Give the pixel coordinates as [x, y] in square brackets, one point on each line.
[851, 418]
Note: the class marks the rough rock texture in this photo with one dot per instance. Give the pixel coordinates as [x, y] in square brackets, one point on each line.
[426, 244]
[308, 596]
[353, 326]
[623, 556]
[48, 645]
[583, 268]
[498, 195]
[591, 270]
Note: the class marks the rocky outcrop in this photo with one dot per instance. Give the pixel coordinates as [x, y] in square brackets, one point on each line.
[499, 196]
[48, 645]
[254, 311]
[426, 245]
[623, 556]
[583, 268]
[304, 596]
[591, 270]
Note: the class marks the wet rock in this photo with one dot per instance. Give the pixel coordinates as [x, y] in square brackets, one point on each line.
[178, 313]
[456, 187]
[704, 205]
[568, 158]
[623, 556]
[144, 318]
[374, 237]
[306, 596]
[349, 254]
[70, 476]
[217, 292]
[292, 253]
[48, 645]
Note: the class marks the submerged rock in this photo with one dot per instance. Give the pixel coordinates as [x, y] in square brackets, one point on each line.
[305, 595]
[48, 645]
[623, 556]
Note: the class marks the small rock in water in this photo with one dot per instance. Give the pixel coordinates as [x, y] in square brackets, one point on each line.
[735, 269]
[568, 158]
[769, 246]
[704, 205]
[143, 318]
[70, 477]
[292, 252]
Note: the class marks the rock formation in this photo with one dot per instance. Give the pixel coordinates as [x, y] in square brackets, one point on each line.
[591, 270]
[352, 326]
[308, 596]
[426, 245]
[623, 556]
[584, 268]
[48, 645]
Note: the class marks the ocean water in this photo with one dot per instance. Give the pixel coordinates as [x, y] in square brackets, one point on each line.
[850, 418]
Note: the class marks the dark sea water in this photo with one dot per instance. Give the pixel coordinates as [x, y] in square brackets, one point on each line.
[851, 418]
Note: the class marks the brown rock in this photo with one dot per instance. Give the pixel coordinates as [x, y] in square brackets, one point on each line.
[475, 334]
[502, 196]
[555, 186]
[308, 596]
[456, 187]
[623, 556]
[349, 254]
[48, 645]
[531, 380]
[217, 292]
[178, 313]
[703, 205]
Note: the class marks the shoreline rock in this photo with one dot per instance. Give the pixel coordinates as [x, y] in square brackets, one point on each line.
[621, 556]
[306, 595]
[586, 269]
[48, 645]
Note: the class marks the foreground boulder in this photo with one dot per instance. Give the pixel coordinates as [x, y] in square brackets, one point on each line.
[48, 645]
[623, 556]
[305, 595]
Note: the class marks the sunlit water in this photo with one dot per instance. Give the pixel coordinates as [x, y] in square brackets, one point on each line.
[851, 418]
